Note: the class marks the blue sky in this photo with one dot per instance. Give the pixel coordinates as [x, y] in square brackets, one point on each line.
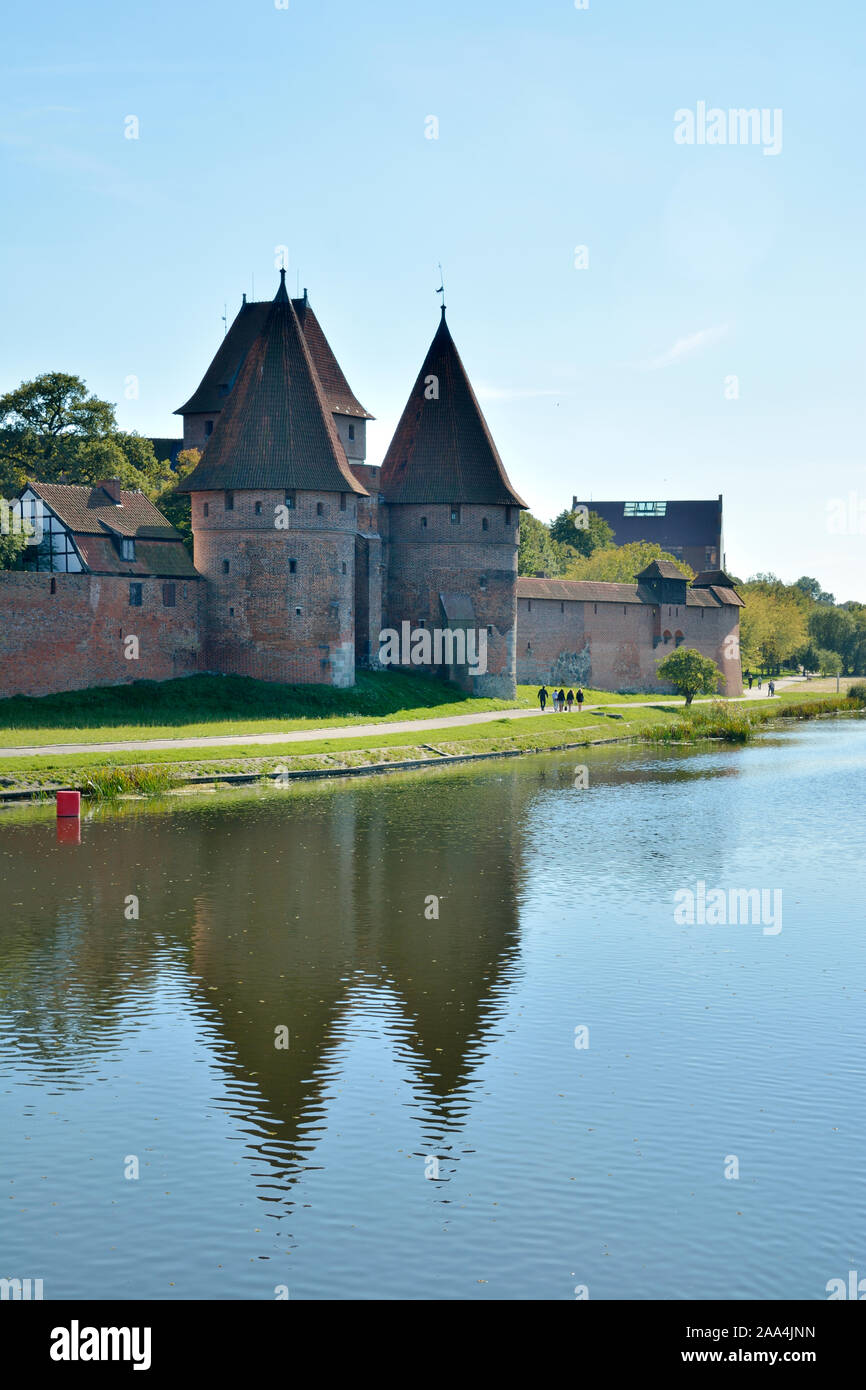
[305, 127]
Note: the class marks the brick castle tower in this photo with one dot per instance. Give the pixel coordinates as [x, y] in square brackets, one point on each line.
[274, 512]
[453, 520]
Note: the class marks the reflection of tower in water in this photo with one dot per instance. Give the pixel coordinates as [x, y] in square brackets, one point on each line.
[319, 910]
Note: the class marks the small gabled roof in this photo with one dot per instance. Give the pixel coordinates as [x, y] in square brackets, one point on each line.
[707, 578]
[91, 510]
[442, 450]
[661, 569]
[341, 398]
[276, 429]
[98, 523]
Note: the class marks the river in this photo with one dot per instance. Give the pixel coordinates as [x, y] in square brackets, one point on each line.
[443, 1035]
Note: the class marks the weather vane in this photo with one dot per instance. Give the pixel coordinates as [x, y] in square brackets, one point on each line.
[441, 289]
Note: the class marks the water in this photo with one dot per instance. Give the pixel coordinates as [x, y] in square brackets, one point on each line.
[416, 1042]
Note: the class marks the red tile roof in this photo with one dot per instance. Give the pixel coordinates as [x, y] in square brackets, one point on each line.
[600, 591]
[340, 395]
[442, 450]
[661, 569]
[163, 559]
[96, 521]
[212, 392]
[88, 510]
[276, 429]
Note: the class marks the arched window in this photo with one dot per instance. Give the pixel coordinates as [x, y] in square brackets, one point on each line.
[666, 635]
[678, 638]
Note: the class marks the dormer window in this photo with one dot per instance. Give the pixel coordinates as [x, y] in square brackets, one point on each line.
[351, 431]
[127, 548]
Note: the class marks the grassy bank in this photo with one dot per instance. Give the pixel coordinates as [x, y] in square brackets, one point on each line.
[317, 754]
[738, 723]
[210, 706]
[132, 772]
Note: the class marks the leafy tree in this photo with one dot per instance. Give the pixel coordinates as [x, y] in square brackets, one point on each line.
[832, 629]
[12, 542]
[773, 624]
[690, 673]
[812, 589]
[539, 554]
[620, 563]
[828, 663]
[176, 505]
[584, 539]
[51, 429]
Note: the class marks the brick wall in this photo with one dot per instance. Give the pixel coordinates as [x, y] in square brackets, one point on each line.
[611, 645]
[441, 556]
[284, 608]
[74, 638]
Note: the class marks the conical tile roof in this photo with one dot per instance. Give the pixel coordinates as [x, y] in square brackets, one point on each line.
[442, 450]
[276, 429]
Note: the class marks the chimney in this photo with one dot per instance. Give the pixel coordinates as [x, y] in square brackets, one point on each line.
[112, 487]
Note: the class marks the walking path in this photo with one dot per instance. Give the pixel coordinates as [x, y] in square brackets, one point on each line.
[343, 731]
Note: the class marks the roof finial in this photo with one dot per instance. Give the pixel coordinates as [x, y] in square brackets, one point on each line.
[281, 293]
[441, 289]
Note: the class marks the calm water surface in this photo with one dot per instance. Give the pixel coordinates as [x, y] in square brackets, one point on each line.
[416, 1042]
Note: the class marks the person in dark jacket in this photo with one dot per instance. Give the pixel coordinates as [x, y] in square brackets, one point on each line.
[569, 701]
[542, 698]
[580, 698]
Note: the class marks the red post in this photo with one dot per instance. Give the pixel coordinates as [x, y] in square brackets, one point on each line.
[68, 804]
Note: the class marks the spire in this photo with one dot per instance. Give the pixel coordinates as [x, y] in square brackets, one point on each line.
[276, 429]
[442, 450]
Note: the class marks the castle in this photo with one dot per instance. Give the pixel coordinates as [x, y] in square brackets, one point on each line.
[304, 554]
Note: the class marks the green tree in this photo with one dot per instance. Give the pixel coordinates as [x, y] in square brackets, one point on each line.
[690, 673]
[12, 541]
[834, 630]
[52, 429]
[539, 554]
[595, 535]
[773, 624]
[619, 564]
[828, 663]
[174, 505]
[812, 589]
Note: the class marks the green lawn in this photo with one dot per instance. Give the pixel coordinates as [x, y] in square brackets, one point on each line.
[208, 706]
[498, 736]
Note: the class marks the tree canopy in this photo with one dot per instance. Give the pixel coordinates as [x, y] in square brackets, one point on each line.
[690, 673]
[53, 430]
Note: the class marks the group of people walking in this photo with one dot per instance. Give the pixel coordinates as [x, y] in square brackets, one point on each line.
[771, 685]
[560, 699]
